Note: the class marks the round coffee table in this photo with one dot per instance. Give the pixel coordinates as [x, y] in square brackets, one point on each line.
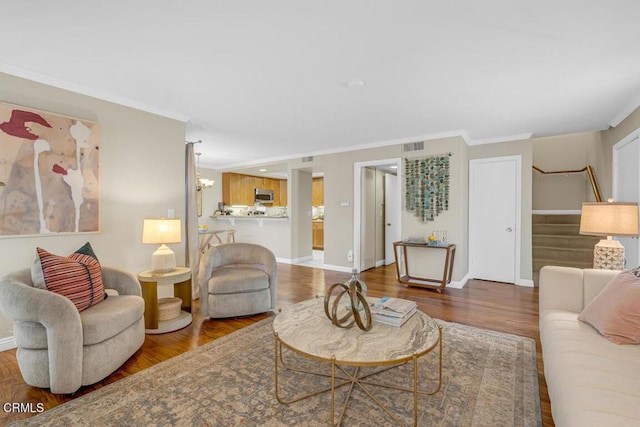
[304, 329]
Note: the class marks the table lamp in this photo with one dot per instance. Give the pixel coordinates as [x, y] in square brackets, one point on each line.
[163, 231]
[609, 219]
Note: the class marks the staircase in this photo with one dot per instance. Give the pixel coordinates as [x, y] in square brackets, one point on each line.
[556, 241]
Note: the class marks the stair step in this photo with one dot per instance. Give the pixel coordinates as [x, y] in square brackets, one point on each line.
[539, 263]
[564, 241]
[555, 219]
[557, 229]
[563, 254]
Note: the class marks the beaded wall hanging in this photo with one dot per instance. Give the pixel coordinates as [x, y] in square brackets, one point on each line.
[427, 186]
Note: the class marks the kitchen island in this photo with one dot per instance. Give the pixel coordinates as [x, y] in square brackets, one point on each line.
[272, 232]
[259, 219]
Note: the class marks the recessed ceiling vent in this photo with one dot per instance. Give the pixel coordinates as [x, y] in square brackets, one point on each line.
[413, 146]
[307, 159]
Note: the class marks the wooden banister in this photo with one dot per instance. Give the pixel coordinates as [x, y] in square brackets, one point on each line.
[590, 173]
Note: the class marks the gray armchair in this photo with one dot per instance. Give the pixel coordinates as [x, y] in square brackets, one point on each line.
[63, 349]
[237, 279]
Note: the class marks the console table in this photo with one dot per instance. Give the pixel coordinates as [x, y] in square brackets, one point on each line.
[406, 278]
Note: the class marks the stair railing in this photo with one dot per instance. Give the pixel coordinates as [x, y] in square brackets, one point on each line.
[590, 173]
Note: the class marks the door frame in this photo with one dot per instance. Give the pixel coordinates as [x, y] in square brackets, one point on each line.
[357, 202]
[635, 135]
[389, 256]
[518, 208]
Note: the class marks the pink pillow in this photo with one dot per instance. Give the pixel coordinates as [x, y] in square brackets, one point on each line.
[615, 311]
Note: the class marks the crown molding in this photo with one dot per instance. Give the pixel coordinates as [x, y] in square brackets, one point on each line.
[428, 137]
[63, 84]
[506, 138]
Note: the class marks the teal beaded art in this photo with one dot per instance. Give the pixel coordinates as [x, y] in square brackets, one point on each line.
[427, 186]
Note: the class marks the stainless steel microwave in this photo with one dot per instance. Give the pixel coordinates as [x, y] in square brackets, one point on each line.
[264, 196]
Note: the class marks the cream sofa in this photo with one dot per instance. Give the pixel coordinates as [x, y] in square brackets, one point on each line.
[591, 381]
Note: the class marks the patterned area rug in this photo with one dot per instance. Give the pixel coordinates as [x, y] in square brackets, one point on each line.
[489, 379]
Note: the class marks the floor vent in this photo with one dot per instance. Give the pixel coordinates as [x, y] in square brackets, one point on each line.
[307, 159]
[413, 146]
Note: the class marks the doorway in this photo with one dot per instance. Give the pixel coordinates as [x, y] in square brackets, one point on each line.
[626, 188]
[371, 205]
[494, 218]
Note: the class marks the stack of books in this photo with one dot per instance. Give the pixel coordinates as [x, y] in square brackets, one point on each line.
[392, 311]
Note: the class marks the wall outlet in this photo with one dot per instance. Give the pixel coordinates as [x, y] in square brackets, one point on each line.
[350, 256]
[170, 213]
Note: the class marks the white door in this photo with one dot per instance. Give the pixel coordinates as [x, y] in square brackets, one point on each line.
[392, 222]
[368, 222]
[494, 211]
[626, 188]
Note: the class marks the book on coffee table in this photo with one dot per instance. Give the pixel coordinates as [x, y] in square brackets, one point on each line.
[392, 311]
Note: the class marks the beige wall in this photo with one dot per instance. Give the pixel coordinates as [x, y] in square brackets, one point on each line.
[338, 171]
[300, 208]
[339, 187]
[142, 175]
[453, 219]
[565, 152]
[524, 149]
[210, 196]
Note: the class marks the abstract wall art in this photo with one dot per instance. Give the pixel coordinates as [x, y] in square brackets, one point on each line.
[49, 173]
[427, 186]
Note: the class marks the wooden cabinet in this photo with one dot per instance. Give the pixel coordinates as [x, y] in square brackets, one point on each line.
[318, 235]
[282, 192]
[239, 189]
[317, 192]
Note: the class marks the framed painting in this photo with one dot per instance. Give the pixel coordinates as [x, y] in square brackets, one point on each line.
[49, 173]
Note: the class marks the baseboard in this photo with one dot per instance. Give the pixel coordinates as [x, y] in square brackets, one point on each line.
[7, 343]
[380, 263]
[525, 282]
[459, 284]
[301, 259]
[558, 212]
[337, 268]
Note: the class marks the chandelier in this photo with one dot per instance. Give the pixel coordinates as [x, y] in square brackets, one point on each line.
[202, 183]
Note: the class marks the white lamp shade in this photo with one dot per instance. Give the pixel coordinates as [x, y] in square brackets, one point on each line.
[609, 219]
[161, 230]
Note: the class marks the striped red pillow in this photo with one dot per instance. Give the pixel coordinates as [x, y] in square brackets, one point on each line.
[77, 277]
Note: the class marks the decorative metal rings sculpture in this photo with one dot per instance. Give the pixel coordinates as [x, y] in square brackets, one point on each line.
[357, 302]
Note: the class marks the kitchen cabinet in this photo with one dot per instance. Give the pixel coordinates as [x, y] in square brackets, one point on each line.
[317, 192]
[318, 235]
[239, 189]
[282, 186]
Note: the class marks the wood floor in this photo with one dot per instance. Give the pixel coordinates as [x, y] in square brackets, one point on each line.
[497, 306]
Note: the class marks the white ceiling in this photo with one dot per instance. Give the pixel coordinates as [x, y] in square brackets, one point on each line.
[267, 80]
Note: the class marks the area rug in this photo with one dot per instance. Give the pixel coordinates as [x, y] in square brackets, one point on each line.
[489, 379]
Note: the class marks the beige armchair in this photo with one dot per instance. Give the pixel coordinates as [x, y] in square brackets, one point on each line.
[237, 279]
[63, 349]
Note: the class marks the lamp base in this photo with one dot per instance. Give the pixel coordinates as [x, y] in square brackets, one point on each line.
[608, 255]
[163, 259]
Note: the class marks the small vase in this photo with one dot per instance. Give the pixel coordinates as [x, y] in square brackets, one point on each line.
[359, 286]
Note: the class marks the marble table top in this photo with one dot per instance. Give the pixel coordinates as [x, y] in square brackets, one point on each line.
[305, 329]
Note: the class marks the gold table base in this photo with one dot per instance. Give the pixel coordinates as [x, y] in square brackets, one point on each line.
[353, 379]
